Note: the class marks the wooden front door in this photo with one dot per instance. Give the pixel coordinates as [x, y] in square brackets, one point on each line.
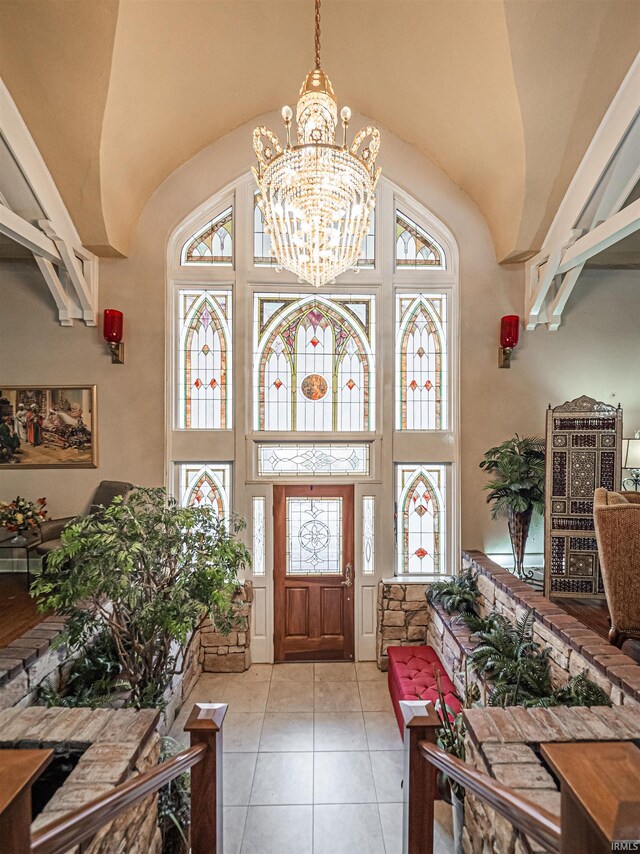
[313, 573]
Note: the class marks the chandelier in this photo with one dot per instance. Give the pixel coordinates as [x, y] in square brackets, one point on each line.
[316, 196]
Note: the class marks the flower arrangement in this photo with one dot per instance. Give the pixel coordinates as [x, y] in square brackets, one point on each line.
[20, 514]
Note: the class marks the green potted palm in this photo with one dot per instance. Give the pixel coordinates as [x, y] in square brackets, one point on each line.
[516, 488]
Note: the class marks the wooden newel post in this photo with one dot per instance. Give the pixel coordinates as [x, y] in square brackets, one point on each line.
[421, 723]
[19, 769]
[600, 794]
[205, 727]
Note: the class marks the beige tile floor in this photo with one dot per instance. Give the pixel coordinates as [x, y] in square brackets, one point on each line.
[312, 760]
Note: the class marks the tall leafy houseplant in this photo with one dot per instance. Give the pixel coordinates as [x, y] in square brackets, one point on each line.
[516, 488]
[148, 572]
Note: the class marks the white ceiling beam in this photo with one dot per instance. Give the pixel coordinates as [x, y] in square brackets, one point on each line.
[56, 288]
[18, 229]
[58, 242]
[564, 292]
[620, 116]
[611, 231]
[74, 269]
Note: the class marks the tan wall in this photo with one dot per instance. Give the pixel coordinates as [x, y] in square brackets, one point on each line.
[595, 351]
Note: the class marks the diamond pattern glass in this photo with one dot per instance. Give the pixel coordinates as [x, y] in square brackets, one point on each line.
[204, 359]
[205, 485]
[314, 362]
[421, 361]
[421, 518]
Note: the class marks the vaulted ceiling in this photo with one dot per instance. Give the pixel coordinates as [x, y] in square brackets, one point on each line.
[505, 95]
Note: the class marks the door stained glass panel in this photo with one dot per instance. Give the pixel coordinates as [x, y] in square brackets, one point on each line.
[314, 536]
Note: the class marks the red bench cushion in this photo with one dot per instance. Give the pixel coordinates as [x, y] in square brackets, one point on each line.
[412, 676]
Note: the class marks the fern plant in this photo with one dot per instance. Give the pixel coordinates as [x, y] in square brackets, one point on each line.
[460, 594]
[513, 661]
[579, 691]
[518, 668]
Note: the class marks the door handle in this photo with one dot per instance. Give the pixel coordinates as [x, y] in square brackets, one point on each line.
[348, 582]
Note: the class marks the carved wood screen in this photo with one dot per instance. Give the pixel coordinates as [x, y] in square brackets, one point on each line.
[582, 452]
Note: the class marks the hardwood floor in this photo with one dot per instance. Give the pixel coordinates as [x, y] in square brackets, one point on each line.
[593, 613]
[18, 611]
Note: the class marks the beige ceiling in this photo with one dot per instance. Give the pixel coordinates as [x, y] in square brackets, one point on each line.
[504, 96]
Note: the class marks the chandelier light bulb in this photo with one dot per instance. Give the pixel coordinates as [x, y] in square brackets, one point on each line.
[316, 196]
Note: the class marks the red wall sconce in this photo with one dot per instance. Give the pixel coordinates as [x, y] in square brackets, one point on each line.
[509, 333]
[112, 326]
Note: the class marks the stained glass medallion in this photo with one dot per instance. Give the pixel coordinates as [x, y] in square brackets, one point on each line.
[312, 459]
[314, 362]
[205, 485]
[421, 518]
[415, 248]
[204, 359]
[421, 362]
[212, 244]
[314, 536]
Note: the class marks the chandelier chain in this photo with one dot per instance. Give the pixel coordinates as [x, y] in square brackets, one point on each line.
[317, 34]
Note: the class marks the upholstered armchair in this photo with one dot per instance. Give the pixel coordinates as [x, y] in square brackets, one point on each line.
[51, 530]
[617, 523]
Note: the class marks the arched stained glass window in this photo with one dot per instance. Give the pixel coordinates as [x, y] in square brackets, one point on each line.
[212, 244]
[262, 256]
[421, 518]
[204, 359]
[206, 485]
[415, 248]
[314, 362]
[421, 361]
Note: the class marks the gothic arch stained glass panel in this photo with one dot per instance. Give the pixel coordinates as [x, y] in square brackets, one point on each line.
[421, 361]
[212, 244]
[415, 248]
[314, 362]
[205, 485]
[421, 518]
[204, 359]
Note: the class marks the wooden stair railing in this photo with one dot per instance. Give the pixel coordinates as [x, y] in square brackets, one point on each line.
[599, 787]
[203, 757]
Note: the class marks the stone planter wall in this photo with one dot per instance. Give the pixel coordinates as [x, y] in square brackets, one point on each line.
[115, 746]
[229, 653]
[504, 743]
[405, 618]
[30, 661]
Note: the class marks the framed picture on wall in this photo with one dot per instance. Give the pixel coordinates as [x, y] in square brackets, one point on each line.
[48, 426]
